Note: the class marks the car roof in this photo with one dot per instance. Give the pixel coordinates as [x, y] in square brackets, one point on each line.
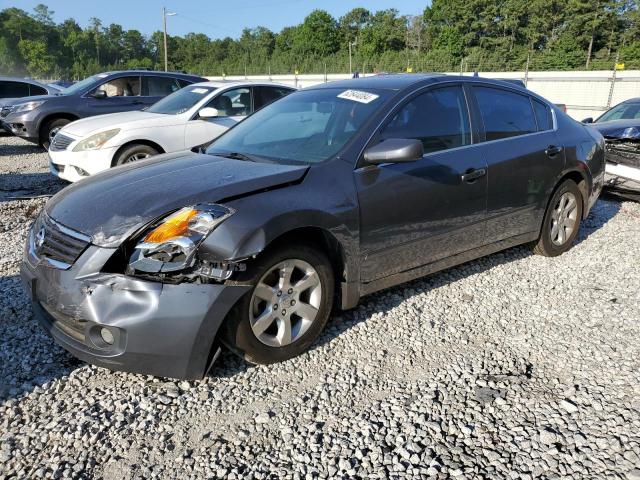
[22, 79]
[239, 83]
[149, 72]
[392, 81]
[400, 81]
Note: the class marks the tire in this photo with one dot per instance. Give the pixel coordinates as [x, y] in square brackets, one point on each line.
[49, 129]
[561, 222]
[132, 153]
[271, 345]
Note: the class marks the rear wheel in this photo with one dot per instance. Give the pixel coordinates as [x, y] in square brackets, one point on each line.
[133, 153]
[49, 130]
[286, 309]
[561, 222]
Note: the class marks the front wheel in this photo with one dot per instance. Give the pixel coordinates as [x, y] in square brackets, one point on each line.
[133, 153]
[561, 222]
[50, 129]
[286, 309]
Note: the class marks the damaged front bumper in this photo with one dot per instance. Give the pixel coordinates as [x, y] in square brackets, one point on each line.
[150, 327]
[622, 170]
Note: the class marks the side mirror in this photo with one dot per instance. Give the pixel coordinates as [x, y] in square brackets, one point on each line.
[208, 112]
[394, 150]
[588, 120]
[99, 94]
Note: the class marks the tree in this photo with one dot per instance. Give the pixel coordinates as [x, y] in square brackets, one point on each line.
[317, 34]
[38, 60]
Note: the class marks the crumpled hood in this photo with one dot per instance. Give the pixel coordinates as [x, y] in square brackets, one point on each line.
[112, 205]
[126, 120]
[614, 128]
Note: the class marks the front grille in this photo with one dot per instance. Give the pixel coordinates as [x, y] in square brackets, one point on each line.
[60, 142]
[56, 243]
[623, 153]
[5, 111]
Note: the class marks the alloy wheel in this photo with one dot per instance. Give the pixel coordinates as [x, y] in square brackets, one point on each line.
[564, 218]
[136, 156]
[285, 303]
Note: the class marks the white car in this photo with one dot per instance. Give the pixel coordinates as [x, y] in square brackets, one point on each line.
[192, 116]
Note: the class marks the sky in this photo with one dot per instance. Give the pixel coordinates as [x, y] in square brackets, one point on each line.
[215, 18]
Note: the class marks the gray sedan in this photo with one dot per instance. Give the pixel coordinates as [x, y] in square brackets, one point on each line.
[324, 196]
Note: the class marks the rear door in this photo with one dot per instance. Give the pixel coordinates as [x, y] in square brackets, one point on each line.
[122, 95]
[155, 87]
[412, 214]
[524, 157]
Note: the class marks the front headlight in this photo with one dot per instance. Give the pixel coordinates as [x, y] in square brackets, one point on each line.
[171, 245]
[27, 106]
[96, 141]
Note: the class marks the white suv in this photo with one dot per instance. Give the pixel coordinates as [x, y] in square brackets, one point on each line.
[192, 116]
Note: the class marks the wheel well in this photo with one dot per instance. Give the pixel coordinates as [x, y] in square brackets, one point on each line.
[149, 143]
[55, 116]
[323, 240]
[579, 179]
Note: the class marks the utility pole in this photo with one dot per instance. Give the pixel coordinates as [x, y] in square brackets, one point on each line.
[165, 14]
[351, 44]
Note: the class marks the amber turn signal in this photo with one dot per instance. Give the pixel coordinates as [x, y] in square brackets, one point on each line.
[176, 225]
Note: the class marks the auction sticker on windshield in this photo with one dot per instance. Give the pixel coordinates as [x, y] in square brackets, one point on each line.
[358, 96]
[199, 90]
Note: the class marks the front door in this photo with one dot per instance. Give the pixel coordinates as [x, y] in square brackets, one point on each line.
[232, 105]
[122, 94]
[412, 214]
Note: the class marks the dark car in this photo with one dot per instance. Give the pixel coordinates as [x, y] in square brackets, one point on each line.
[39, 118]
[14, 88]
[620, 127]
[324, 196]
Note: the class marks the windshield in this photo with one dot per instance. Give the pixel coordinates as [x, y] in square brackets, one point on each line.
[180, 101]
[304, 127]
[82, 85]
[625, 111]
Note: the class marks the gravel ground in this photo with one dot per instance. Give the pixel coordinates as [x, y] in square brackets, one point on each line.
[514, 366]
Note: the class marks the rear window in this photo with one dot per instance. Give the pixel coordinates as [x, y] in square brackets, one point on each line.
[543, 115]
[37, 90]
[13, 89]
[153, 86]
[265, 95]
[505, 114]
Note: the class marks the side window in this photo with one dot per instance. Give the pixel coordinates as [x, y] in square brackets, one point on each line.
[159, 86]
[183, 83]
[265, 95]
[236, 102]
[122, 87]
[439, 118]
[14, 89]
[504, 114]
[37, 90]
[543, 115]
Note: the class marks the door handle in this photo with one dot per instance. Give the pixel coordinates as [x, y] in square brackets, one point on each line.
[473, 174]
[138, 102]
[553, 150]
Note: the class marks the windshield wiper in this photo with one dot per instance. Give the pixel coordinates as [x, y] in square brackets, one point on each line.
[234, 156]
